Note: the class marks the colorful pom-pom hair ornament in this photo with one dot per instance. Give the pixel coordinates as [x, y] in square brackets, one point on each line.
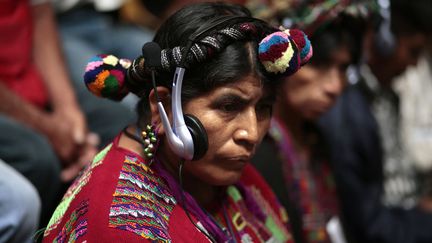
[284, 52]
[105, 76]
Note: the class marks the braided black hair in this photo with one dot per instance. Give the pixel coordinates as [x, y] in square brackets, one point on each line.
[222, 55]
[216, 43]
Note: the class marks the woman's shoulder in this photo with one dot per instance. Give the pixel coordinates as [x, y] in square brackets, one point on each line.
[119, 196]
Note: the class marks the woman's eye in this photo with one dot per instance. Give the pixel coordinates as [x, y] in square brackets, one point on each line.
[228, 104]
[229, 107]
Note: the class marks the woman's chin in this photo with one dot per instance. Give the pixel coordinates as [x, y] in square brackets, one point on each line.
[223, 178]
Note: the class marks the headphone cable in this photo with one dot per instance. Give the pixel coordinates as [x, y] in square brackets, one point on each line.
[183, 201]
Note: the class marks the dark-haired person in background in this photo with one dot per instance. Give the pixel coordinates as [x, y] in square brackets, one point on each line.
[293, 156]
[137, 189]
[376, 184]
[47, 133]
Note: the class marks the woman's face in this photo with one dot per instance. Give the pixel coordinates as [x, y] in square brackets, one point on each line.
[314, 88]
[236, 118]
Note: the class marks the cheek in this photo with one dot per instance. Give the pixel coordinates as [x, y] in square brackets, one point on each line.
[299, 93]
[299, 99]
[215, 130]
[307, 104]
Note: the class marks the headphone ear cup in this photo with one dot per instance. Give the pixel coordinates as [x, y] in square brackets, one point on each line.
[199, 136]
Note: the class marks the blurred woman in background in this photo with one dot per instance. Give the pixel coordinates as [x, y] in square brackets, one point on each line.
[293, 156]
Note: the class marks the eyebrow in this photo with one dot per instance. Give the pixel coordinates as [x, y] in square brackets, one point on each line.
[231, 98]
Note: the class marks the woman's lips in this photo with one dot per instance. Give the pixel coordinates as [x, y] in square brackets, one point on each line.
[236, 162]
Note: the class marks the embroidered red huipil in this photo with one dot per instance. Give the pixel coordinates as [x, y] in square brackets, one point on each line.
[121, 198]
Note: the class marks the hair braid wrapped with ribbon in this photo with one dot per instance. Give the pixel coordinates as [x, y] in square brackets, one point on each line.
[281, 52]
[206, 47]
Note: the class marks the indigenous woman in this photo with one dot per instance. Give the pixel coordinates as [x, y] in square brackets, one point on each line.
[293, 157]
[187, 180]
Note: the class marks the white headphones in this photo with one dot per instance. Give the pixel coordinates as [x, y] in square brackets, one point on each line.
[187, 138]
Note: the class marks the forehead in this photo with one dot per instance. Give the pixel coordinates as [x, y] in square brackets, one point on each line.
[248, 87]
[245, 84]
[341, 54]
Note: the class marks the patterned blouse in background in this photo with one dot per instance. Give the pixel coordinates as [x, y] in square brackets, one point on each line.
[305, 187]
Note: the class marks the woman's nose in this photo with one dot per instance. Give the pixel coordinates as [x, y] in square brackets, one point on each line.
[334, 82]
[247, 130]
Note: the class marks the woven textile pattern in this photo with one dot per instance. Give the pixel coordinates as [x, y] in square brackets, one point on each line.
[142, 203]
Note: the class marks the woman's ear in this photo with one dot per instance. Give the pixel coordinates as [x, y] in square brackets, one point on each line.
[164, 97]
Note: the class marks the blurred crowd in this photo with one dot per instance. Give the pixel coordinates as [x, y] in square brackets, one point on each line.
[349, 150]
